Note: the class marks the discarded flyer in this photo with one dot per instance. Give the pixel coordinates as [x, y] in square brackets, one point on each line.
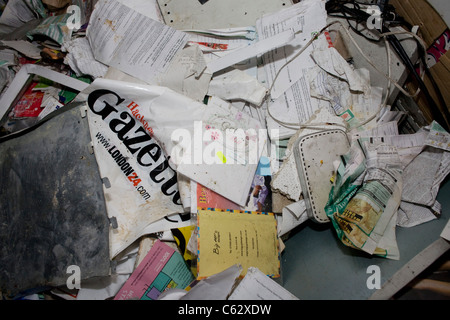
[123, 38]
[237, 237]
[163, 268]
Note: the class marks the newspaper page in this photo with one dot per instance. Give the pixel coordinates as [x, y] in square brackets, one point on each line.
[363, 206]
[131, 42]
[288, 74]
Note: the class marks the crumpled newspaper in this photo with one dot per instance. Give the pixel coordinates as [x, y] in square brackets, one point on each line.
[81, 59]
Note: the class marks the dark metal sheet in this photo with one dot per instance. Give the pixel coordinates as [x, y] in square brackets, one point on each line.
[52, 206]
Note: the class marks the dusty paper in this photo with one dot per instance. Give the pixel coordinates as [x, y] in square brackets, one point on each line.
[237, 84]
[81, 59]
[410, 214]
[216, 287]
[226, 238]
[347, 91]
[253, 50]
[305, 18]
[226, 147]
[188, 74]
[257, 286]
[30, 50]
[131, 42]
[423, 176]
[292, 216]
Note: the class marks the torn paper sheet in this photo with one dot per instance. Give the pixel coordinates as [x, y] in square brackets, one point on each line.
[446, 231]
[294, 108]
[292, 216]
[18, 13]
[24, 47]
[331, 61]
[49, 104]
[215, 287]
[348, 91]
[237, 85]
[306, 18]
[163, 226]
[81, 59]
[408, 145]
[131, 42]
[258, 199]
[184, 185]
[253, 50]
[411, 215]
[257, 286]
[219, 42]
[148, 8]
[187, 74]
[226, 147]
[423, 176]
[385, 129]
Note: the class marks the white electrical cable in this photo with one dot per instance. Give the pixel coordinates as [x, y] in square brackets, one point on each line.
[296, 126]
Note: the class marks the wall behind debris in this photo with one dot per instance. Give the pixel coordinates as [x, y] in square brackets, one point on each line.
[431, 28]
